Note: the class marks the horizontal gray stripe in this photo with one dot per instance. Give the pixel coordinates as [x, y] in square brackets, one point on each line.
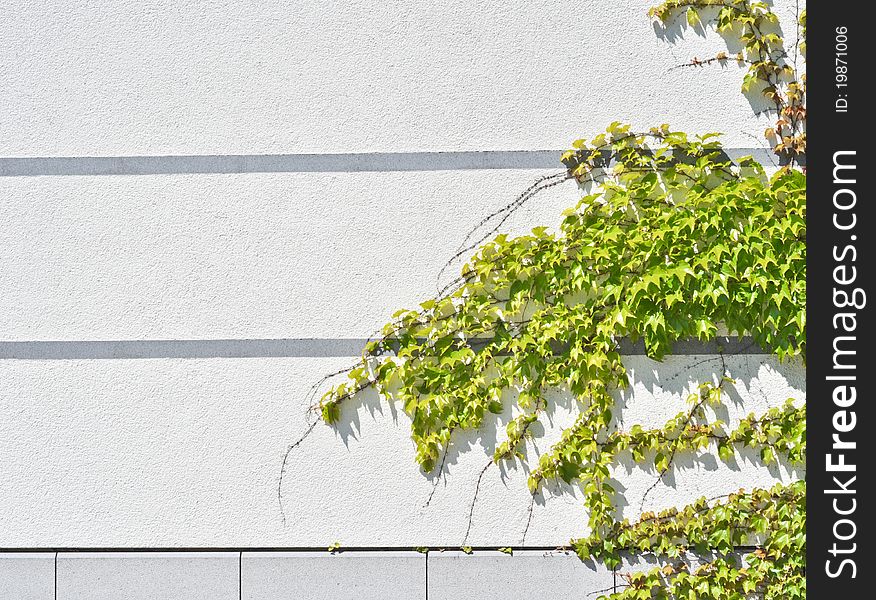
[208, 550]
[279, 348]
[279, 163]
[297, 163]
[121, 349]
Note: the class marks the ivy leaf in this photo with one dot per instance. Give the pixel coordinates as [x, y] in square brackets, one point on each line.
[725, 452]
[661, 462]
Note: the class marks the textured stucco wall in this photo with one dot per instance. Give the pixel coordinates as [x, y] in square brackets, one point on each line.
[180, 450]
[212, 77]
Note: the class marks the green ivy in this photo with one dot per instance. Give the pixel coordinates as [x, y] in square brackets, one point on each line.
[673, 241]
[773, 70]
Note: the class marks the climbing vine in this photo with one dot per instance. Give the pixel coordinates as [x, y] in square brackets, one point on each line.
[672, 241]
[773, 71]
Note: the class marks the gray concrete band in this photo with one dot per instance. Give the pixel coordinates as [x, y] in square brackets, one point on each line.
[299, 163]
[281, 348]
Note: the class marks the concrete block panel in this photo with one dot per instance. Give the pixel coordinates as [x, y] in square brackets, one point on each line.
[525, 574]
[27, 576]
[148, 576]
[324, 576]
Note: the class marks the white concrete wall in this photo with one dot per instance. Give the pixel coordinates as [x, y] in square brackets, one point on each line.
[183, 449]
[211, 77]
